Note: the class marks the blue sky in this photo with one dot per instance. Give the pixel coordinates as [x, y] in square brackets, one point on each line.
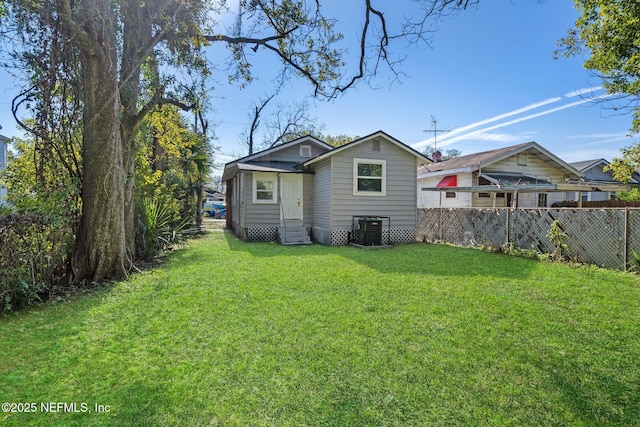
[490, 78]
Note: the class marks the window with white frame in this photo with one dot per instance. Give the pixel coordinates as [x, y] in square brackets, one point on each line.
[369, 177]
[265, 188]
[305, 151]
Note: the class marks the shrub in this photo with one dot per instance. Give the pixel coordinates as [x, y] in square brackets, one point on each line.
[158, 228]
[33, 253]
[558, 237]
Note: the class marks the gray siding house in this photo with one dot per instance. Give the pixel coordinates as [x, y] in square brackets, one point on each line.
[311, 190]
[594, 172]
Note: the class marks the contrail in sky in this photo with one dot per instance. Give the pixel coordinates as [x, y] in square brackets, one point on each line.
[502, 116]
[448, 141]
[468, 132]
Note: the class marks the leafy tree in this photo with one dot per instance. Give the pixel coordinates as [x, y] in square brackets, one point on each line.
[101, 61]
[39, 183]
[338, 140]
[607, 32]
[449, 154]
[173, 163]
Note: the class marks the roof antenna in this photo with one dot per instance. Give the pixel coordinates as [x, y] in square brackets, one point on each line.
[435, 131]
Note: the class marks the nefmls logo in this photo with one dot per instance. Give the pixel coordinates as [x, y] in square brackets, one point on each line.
[64, 407]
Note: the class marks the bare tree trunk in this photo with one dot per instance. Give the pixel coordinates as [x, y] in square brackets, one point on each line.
[100, 251]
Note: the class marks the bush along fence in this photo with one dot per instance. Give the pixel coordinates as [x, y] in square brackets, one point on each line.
[607, 237]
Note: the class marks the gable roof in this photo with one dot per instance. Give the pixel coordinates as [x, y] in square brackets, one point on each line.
[585, 165]
[302, 139]
[588, 164]
[251, 162]
[477, 161]
[368, 138]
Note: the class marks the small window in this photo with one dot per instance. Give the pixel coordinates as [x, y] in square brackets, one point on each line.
[484, 195]
[265, 188]
[305, 151]
[522, 160]
[450, 195]
[542, 200]
[369, 177]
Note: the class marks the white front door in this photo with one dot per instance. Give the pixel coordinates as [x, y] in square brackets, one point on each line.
[291, 195]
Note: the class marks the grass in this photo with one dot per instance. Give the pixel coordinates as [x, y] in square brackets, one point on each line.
[252, 334]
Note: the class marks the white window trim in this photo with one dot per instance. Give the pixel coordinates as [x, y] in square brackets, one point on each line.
[305, 151]
[355, 177]
[257, 176]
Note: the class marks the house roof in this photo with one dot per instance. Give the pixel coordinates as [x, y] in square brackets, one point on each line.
[477, 161]
[585, 165]
[269, 166]
[588, 164]
[306, 138]
[368, 138]
[250, 163]
[513, 179]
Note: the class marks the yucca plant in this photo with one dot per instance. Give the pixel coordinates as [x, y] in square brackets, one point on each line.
[158, 228]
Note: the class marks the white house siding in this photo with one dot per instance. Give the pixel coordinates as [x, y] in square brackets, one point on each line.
[321, 199]
[536, 167]
[399, 203]
[432, 199]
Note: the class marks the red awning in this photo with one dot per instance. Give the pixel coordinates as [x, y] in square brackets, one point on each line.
[448, 181]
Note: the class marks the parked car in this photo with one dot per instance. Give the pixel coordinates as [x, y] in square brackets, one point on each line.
[221, 214]
[212, 209]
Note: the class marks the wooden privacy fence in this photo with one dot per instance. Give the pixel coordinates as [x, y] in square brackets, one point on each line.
[605, 236]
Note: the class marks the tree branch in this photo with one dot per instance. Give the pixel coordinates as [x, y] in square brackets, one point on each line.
[66, 15]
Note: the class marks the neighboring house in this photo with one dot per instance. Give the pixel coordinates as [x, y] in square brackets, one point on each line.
[213, 196]
[332, 194]
[594, 173]
[523, 175]
[4, 155]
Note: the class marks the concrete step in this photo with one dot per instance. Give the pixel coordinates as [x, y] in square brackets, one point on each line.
[293, 236]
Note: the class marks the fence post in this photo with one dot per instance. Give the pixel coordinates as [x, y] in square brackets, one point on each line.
[441, 227]
[626, 239]
[508, 227]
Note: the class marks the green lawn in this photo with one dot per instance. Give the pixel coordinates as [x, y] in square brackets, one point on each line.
[230, 333]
